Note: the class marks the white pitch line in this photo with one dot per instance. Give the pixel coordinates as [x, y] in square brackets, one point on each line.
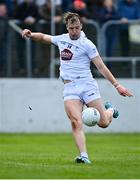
[24, 164]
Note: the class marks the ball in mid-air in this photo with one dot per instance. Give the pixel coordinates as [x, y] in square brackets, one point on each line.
[90, 116]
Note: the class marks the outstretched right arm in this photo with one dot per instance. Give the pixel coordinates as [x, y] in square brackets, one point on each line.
[39, 37]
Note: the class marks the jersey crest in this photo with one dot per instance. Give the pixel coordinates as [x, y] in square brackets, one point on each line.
[66, 55]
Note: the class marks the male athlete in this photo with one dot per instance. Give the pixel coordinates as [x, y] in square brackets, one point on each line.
[76, 53]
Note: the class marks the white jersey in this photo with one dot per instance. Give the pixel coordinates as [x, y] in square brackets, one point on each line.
[75, 56]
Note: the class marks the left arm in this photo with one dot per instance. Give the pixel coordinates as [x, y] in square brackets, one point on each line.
[109, 76]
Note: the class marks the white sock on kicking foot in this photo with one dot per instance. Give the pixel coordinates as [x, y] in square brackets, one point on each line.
[84, 154]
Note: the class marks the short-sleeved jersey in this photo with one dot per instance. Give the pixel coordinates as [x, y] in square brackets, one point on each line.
[75, 55]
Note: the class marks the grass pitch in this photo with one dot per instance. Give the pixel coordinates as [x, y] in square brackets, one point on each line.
[51, 156]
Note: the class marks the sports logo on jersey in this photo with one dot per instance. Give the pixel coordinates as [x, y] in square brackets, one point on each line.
[66, 55]
[94, 50]
[69, 46]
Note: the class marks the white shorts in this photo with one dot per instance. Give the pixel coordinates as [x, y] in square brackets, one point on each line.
[84, 90]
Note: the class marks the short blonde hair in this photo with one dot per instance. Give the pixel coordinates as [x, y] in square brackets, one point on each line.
[71, 17]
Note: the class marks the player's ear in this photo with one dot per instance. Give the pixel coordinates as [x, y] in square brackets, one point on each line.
[67, 26]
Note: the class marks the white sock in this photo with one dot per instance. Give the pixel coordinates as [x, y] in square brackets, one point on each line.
[84, 154]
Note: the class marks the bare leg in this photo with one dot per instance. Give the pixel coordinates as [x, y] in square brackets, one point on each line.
[106, 115]
[73, 109]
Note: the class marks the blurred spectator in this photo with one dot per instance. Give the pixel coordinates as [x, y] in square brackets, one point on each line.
[9, 4]
[27, 13]
[66, 5]
[20, 1]
[93, 7]
[109, 12]
[79, 7]
[3, 35]
[129, 10]
[138, 2]
[45, 12]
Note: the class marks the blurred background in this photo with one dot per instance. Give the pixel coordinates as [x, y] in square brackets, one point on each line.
[29, 70]
[112, 25]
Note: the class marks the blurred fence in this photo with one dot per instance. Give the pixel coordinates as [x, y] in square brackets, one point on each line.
[25, 58]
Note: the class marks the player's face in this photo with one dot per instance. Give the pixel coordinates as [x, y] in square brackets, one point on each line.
[74, 30]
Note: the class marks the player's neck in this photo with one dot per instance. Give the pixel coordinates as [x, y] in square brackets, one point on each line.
[75, 38]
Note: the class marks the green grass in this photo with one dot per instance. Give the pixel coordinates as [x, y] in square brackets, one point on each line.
[51, 156]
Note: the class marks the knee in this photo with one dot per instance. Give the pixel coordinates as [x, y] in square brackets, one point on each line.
[76, 121]
[76, 124]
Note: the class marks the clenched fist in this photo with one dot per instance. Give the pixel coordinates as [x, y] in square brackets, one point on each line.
[26, 33]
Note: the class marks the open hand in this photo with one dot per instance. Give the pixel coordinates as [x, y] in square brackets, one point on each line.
[123, 91]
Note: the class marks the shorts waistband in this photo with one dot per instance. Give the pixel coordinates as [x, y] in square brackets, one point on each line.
[74, 79]
[66, 81]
